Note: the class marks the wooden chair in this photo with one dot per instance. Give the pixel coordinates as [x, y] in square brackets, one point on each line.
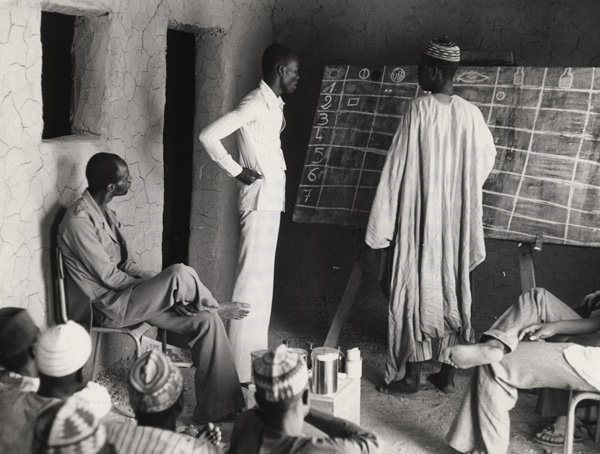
[574, 398]
[134, 332]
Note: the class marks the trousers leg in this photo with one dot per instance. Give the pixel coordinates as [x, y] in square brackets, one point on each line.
[176, 284]
[482, 423]
[217, 386]
[536, 306]
[554, 402]
[254, 285]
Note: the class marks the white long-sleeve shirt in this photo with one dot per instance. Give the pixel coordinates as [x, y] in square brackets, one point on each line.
[258, 121]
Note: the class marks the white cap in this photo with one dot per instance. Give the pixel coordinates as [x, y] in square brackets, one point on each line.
[63, 349]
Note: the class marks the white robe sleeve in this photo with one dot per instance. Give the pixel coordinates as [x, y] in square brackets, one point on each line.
[384, 211]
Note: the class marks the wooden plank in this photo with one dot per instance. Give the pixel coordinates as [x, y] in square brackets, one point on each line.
[526, 267]
[343, 310]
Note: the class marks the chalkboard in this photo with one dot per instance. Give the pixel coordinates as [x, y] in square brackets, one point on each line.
[545, 122]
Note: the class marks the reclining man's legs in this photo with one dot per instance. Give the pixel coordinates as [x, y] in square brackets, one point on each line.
[536, 306]
[505, 364]
[482, 423]
[218, 391]
[217, 386]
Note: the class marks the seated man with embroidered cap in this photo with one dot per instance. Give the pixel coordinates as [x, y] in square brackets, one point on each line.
[101, 271]
[18, 380]
[276, 425]
[58, 358]
[156, 395]
[69, 427]
[513, 355]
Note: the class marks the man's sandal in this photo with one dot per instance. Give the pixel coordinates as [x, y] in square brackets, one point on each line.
[551, 436]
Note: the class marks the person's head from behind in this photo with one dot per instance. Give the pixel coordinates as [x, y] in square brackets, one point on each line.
[18, 334]
[69, 427]
[62, 356]
[108, 172]
[156, 390]
[281, 380]
[282, 63]
[438, 64]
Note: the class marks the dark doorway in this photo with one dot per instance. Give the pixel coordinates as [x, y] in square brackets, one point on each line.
[57, 80]
[178, 141]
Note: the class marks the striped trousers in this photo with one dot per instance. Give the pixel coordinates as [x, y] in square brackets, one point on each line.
[254, 285]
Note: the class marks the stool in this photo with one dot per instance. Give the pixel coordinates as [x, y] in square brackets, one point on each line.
[574, 398]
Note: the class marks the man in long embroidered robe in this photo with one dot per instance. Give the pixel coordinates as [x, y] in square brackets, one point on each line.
[428, 207]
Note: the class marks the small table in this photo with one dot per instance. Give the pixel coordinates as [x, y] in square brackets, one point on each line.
[345, 403]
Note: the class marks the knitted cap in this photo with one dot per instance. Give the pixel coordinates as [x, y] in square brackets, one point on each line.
[443, 49]
[17, 331]
[155, 383]
[68, 427]
[63, 349]
[280, 374]
[97, 399]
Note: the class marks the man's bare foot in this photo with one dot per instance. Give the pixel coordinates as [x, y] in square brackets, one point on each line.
[233, 310]
[444, 379]
[466, 356]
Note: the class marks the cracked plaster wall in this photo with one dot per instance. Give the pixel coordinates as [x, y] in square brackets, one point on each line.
[118, 105]
[380, 32]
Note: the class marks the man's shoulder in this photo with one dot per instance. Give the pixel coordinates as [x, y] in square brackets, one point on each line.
[253, 96]
[79, 208]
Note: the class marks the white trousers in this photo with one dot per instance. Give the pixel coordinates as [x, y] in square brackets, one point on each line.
[254, 285]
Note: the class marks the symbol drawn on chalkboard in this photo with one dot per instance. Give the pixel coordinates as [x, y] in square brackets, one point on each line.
[566, 80]
[331, 73]
[330, 88]
[327, 104]
[319, 155]
[364, 73]
[397, 75]
[472, 77]
[307, 193]
[314, 174]
[500, 96]
[387, 90]
[323, 119]
[519, 76]
[353, 102]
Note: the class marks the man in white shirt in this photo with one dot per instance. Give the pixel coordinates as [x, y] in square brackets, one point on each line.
[258, 120]
[512, 356]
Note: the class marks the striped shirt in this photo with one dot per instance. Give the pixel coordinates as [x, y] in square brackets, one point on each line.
[133, 439]
[258, 121]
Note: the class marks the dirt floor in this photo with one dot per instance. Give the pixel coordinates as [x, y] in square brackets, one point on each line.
[415, 424]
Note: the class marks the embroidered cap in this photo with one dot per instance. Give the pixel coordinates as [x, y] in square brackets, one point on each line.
[17, 331]
[155, 383]
[68, 427]
[63, 349]
[280, 374]
[443, 49]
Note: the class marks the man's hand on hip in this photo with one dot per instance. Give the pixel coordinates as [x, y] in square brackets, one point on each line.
[248, 176]
[233, 310]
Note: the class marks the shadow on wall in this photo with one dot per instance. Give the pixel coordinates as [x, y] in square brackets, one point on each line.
[50, 223]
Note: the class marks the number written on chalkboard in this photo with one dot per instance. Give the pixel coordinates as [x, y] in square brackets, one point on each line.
[318, 155]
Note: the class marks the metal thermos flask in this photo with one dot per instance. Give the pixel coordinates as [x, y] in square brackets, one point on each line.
[324, 370]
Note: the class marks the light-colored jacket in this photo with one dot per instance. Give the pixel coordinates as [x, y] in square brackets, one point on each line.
[97, 262]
